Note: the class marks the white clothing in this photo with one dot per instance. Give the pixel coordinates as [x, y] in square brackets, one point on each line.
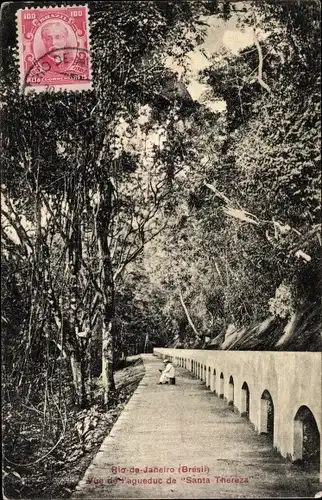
[168, 372]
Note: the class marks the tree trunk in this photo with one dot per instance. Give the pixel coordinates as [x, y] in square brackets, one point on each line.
[103, 220]
[84, 401]
[89, 379]
[77, 378]
[107, 362]
[188, 315]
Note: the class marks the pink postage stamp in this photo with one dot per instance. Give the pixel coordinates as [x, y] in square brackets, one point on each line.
[54, 48]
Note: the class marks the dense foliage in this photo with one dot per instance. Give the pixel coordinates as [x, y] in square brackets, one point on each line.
[245, 244]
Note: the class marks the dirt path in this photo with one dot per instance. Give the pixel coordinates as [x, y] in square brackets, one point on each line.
[173, 428]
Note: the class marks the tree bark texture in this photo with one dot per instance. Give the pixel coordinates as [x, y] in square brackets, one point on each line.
[103, 220]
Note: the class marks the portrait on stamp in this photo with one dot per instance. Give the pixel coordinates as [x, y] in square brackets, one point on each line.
[54, 48]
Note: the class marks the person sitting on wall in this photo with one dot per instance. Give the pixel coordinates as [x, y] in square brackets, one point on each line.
[167, 374]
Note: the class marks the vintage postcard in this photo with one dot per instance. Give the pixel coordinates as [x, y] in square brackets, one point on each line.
[161, 249]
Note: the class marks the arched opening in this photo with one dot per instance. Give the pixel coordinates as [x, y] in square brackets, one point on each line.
[205, 374]
[214, 381]
[244, 403]
[209, 377]
[231, 391]
[266, 421]
[221, 386]
[185, 363]
[198, 373]
[306, 439]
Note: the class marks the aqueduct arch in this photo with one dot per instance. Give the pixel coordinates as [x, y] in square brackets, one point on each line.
[231, 391]
[221, 386]
[306, 438]
[266, 414]
[244, 400]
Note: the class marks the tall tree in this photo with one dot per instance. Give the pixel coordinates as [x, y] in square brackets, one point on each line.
[103, 200]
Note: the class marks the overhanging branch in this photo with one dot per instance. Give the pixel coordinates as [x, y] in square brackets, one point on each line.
[188, 315]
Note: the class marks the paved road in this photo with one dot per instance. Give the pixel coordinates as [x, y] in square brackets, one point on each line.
[174, 428]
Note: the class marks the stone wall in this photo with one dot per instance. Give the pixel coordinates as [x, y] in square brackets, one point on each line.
[272, 388]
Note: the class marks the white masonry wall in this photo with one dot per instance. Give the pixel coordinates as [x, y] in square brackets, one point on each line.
[293, 379]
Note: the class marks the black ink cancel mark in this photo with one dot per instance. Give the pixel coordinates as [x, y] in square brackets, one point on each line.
[55, 64]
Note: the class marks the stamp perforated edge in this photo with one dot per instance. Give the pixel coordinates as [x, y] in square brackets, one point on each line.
[74, 87]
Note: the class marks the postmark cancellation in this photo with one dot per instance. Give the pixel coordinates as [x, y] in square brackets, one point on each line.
[54, 48]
